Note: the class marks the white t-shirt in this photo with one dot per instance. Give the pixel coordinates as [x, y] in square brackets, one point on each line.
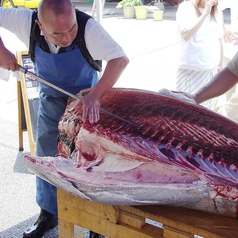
[202, 51]
[100, 44]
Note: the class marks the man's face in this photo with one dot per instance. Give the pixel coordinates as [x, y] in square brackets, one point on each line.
[60, 30]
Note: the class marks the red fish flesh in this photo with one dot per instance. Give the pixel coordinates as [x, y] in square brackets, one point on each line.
[181, 154]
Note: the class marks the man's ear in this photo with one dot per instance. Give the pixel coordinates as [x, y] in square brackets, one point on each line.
[39, 24]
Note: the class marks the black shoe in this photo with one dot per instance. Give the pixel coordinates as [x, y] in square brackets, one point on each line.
[45, 222]
[95, 235]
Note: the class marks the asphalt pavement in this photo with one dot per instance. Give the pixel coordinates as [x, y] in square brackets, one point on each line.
[152, 48]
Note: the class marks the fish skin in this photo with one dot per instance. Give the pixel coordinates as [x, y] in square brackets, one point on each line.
[182, 155]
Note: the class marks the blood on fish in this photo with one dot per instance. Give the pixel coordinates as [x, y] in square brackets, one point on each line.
[89, 157]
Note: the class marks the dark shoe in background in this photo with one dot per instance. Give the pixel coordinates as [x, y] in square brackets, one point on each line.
[45, 222]
[95, 235]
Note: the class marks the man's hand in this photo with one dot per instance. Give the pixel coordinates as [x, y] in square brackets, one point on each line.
[189, 95]
[90, 106]
[7, 59]
[178, 95]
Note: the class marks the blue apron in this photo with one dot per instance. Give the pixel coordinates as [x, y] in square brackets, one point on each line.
[69, 71]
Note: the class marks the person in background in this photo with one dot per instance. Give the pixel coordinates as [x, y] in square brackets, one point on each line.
[232, 5]
[54, 35]
[226, 102]
[200, 27]
[221, 83]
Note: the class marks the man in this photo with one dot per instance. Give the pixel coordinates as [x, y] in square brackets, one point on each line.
[229, 51]
[57, 37]
[220, 84]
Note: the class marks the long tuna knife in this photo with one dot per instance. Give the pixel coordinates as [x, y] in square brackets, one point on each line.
[38, 78]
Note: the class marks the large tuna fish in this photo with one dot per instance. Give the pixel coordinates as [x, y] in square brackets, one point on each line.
[180, 154]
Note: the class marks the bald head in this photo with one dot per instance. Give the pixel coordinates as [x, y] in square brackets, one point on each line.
[57, 20]
[55, 7]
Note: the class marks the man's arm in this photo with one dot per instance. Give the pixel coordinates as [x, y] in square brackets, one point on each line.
[7, 59]
[91, 102]
[110, 76]
[221, 83]
[101, 46]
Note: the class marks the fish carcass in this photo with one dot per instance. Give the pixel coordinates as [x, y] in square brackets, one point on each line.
[181, 154]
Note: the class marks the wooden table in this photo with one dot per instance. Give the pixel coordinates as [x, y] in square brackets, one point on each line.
[132, 221]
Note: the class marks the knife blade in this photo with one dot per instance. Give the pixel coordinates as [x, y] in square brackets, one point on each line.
[40, 79]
